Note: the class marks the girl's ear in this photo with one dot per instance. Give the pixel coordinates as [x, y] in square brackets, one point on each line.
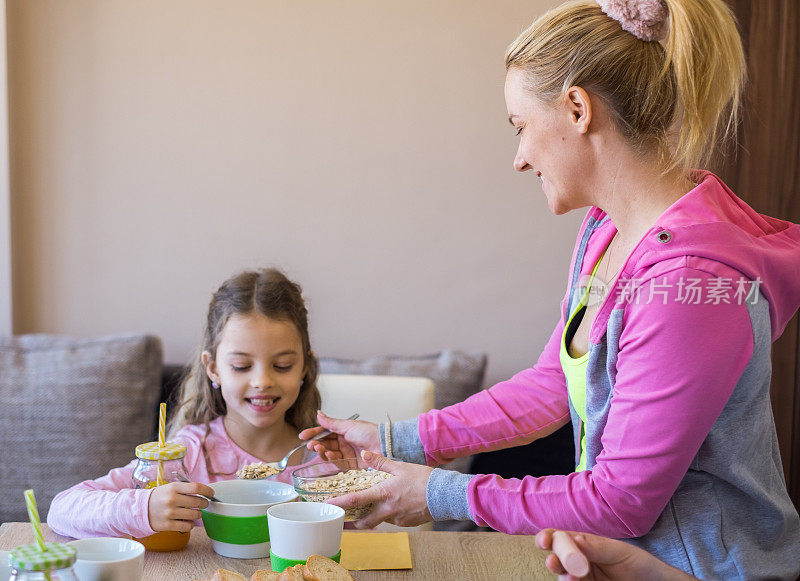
[579, 105]
[307, 362]
[210, 365]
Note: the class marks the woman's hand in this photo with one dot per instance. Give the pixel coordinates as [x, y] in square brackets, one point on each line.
[400, 500]
[585, 556]
[174, 506]
[347, 439]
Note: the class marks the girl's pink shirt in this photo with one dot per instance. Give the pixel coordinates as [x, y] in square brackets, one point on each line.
[109, 506]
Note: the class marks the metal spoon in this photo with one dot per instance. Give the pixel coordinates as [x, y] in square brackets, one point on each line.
[281, 464]
[183, 478]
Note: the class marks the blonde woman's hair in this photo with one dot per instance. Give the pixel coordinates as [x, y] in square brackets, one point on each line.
[678, 100]
[267, 292]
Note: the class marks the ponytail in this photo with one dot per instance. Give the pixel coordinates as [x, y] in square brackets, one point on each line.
[705, 52]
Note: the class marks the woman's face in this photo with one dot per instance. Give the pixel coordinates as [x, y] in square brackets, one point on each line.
[550, 145]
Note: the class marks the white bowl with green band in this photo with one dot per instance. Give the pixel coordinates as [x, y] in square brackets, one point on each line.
[237, 525]
[301, 529]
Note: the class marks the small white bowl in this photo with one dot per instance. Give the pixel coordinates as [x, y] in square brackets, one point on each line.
[5, 569]
[108, 559]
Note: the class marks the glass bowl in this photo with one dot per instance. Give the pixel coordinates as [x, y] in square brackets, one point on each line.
[323, 480]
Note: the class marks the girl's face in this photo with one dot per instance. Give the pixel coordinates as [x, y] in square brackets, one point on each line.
[549, 145]
[259, 367]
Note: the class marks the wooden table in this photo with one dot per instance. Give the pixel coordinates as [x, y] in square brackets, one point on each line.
[435, 556]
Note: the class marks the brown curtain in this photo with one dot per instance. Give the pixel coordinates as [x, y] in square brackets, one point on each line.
[765, 172]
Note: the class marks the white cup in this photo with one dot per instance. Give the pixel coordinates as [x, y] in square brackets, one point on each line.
[298, 530]
[108, 559]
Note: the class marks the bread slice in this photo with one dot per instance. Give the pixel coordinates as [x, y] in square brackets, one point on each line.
[265, 575]
[225, 575]
[324, 569]
[293, 574]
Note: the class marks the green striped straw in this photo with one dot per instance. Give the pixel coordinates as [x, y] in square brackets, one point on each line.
[33, 514]
[36, 523]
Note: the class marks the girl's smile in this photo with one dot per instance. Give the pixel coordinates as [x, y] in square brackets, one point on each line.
[262, 404]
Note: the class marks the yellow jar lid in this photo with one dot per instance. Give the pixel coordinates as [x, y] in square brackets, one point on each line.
[151, 451]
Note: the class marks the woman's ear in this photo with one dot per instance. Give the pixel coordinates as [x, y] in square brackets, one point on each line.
[579, 105]
[210, 364]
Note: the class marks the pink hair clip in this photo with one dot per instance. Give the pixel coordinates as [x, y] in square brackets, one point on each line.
[644, 19]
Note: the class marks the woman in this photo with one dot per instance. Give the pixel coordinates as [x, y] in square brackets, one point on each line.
[661, 358]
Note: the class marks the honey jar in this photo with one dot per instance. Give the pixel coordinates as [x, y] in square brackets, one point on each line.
[159, 465]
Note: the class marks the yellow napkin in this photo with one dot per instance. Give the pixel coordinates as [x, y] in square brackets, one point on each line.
[365, 551]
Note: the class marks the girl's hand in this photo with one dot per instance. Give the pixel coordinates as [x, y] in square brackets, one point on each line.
[347, 440]
[585, 556]
[174, 506]
[400, 500]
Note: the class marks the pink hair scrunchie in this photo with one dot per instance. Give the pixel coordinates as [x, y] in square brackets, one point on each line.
[644, 19]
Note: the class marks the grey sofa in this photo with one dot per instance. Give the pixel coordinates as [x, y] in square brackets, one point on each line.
[71, 409]
[74, 408]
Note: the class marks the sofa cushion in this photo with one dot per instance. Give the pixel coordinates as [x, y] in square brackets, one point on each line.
[73, 408]
[456, 374]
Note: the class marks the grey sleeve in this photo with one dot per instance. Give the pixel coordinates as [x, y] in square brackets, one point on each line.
[446, 491]
[446, 495]
[406, 444]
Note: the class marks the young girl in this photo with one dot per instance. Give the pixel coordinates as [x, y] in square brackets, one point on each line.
[251, 390]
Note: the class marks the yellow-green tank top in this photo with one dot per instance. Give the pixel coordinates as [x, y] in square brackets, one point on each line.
[575, 367]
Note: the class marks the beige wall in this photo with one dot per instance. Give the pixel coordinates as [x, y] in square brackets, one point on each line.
[159, 146]
[6, 325]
